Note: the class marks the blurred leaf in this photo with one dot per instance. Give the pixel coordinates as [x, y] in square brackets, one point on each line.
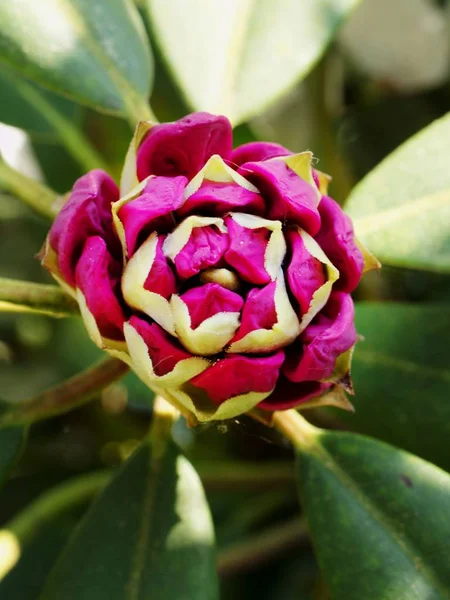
[304, 119]
[401, 210]
[148, 535]
[402, 378]
[238, 57]
[378, 518]
[18, 109]
[40, 109]
[11, 443]
[49, 515]
[17, 152]
[26, 579]
[59, 167]
[95, 52]
[415, 59]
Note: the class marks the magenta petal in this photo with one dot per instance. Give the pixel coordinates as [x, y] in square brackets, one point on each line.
[305, 273]
[161, 279]
[259, 311]
[152, 210]
[208, 300]
[237, 374]
[336, 237]
[288, 196]
[164, 351]
[246, 251]
[288, 395]
[255, 152]
[205, 248]
[216, 198]
[98, 277]
[87, 212]
[184, 146]
[330, 334]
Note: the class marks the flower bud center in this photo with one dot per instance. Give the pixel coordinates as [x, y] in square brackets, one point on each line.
[225, 277]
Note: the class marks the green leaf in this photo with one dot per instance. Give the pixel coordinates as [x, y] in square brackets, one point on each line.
[50, 514]
[26, 579]
[380, 53]
[401, 377]
[378, 518]
[95, 52]
[12, 440]
[148, 535]
[20, 110]
[401, 210]
[240, 56]
[50, 118]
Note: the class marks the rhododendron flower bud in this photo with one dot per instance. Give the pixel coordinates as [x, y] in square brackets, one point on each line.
[221, 276]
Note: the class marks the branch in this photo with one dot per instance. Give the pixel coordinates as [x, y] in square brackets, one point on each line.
[67, 396]
[257, 476]
[37, 196]
[262, 547]
[24, 296]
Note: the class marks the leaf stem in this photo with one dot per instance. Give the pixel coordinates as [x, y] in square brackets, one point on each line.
[295, 427]
[262, 547]
[37, 196]
[66, 396]
[42, 298]
[163, 417]
[137, 109]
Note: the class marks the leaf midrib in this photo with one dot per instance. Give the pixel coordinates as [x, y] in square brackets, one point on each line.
[133, 587]
[387, 524]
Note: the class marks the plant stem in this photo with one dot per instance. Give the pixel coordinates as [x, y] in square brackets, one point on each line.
[67, 396]
[262, 547]
[163, 417]
[295, 427]
[76, 143]
[255, 476]
[37, 196]
[137, 110]
[25, 296]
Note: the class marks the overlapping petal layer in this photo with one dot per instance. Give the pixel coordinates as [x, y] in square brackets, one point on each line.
[86, 213]
[221, 276]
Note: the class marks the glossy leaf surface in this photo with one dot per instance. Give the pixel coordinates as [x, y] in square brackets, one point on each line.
[378, 518]
[238, 57]
[95, 52]
[401, 377]
[142, 536]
